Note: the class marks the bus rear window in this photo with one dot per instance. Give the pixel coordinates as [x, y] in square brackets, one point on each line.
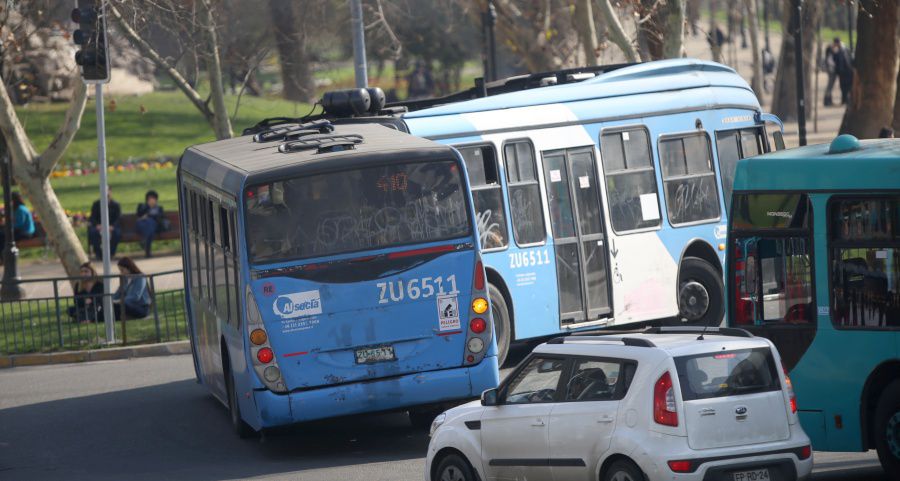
[355, 210]
[727, 373]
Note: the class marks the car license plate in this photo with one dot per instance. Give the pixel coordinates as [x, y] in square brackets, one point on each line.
[753, 475]
[375, 354]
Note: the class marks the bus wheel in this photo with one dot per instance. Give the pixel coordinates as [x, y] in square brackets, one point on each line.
[242, 429]
[701, 294]
[887, 430]
[501, 323]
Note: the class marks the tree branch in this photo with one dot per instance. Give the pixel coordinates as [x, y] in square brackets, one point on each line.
[20, 147]
[160, 62]
[46, 162]
[616, 33]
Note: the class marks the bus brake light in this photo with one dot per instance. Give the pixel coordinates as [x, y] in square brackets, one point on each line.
[265, 355]
[477, 325]
[479, 276]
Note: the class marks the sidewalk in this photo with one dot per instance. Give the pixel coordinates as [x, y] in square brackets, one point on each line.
[52, 268]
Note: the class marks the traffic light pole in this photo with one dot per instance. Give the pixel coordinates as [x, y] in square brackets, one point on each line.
[109, 315]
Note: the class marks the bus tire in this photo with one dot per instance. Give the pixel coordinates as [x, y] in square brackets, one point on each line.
[887, 430]
[502, 329]
[701, 293]
[241, 428]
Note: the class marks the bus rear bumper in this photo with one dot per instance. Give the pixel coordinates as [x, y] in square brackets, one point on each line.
[378, 395]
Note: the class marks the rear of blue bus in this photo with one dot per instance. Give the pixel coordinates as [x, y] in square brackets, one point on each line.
[367, 292]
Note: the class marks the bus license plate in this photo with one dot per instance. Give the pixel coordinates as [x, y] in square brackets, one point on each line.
[375, 354]
[754, 475]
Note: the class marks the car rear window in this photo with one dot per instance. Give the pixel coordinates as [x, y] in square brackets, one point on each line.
[727, 373]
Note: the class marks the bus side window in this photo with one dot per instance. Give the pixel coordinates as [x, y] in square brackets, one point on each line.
[731, 146]
[210, 252]
[525, 205]
[221, 278]
[630, 180]
[484, 178]
[193, 259]
[202, 244]
[235, 280]
[689, 179]
[865, 267]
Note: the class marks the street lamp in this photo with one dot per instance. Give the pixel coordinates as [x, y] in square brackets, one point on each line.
[488, 21]
[10, 290]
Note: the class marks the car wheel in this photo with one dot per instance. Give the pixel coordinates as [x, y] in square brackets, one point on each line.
[701, 293]
[623, 470]
[887, 430]
[241, 428]
[454, 468]
[501, 323]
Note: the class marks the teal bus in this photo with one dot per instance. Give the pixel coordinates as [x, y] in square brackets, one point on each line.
[814, 265]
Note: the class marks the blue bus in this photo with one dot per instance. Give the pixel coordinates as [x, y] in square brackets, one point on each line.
[601, 193]
[814, 249]
[333, 271]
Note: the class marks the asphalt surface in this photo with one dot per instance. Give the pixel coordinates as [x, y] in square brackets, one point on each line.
[146, 419]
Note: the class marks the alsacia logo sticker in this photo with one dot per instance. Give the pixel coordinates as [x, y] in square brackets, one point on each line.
[298, 304]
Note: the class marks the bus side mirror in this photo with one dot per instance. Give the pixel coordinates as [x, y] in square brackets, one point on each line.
[779, 140]
[489, 397]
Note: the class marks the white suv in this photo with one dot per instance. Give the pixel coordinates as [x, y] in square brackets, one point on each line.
[663, 403]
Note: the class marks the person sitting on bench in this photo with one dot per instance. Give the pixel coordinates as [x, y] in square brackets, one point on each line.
[23, 221]
[95, 226]
[150, 220]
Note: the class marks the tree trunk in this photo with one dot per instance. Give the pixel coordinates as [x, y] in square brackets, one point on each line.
[222, 124]
[896, 125]
[784, 96]
[56, 223]
[873, 96]
[616, 33]
[587, 31]
[712, 36]
[290, 38]
[650, 31]
[673, 29]
[756, 82]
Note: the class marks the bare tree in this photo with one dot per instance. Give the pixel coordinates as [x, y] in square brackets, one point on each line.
[784, 95]
[32, 172]
[756, 81]
[896, 125]
[200, 29]
[873, 96]
[291, 28]
[660, 28]
[587, 30]
[616, 33]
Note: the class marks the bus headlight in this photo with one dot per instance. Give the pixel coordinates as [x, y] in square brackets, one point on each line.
[475, 345]
[437, 423]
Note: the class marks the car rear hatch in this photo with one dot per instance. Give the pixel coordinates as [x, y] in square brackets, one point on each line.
[732, 398]
[371, 317]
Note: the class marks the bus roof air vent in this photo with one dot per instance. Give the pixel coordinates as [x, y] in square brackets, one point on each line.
[292, 131]
[844, 143]
[322, 143]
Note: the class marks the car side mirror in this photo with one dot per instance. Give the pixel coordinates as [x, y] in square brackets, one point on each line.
[489, 397]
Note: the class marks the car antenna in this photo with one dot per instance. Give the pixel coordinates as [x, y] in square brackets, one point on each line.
[705, 328]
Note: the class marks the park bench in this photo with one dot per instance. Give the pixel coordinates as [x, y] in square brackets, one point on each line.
[127, 223]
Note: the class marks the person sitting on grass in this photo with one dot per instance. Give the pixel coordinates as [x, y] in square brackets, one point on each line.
[132, 299]
[88, 296]
[150, 220]
[23, 221]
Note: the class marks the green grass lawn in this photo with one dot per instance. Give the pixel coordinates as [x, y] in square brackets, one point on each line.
[151, 126]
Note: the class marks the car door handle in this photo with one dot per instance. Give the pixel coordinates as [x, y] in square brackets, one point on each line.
[605, 419]
[538, 423]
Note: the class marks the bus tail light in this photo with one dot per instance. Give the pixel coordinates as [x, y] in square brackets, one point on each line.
[261, 352]
[480, 330]
[664, 408]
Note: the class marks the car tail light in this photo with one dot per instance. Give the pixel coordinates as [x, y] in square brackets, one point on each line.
[681, 466]
[805, 452]
[477, 325]
[664, 408]
[479, 276]
[790, 390]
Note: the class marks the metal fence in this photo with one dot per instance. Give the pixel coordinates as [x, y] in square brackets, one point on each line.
[52, 318]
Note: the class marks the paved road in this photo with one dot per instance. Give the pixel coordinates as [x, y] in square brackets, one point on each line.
[146, 419]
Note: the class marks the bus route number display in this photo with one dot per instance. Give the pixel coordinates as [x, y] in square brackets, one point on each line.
[393, 183]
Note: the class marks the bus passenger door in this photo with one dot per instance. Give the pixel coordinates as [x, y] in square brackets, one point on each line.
[579, 237]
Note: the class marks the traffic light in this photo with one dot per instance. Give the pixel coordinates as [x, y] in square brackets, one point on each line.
[91, 37]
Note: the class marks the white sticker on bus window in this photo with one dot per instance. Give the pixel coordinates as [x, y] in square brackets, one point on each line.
[298, 304]
[882, 254]
[555, 176]
[649, 207]
[823, 310]
[625, 136]
[584, 182]
[448, 313]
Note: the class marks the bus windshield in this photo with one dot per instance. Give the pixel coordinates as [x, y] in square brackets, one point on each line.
[354, 210]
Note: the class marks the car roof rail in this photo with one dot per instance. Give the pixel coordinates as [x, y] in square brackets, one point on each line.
[628, 341]
[721, 331]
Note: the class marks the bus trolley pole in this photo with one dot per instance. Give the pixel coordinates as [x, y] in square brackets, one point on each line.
[798, 68]
[109, 317]
[359, 44]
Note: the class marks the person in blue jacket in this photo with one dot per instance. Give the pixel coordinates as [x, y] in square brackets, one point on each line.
[132, 299]
[23, 221]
